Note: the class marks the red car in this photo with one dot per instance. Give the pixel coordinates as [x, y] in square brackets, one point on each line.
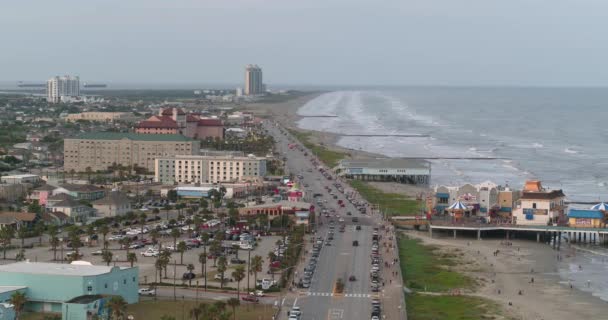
[250, 298]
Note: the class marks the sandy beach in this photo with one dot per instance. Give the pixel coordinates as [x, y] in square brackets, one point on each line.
[501, 277]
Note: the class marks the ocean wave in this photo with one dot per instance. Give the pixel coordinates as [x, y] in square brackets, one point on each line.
[571, 151]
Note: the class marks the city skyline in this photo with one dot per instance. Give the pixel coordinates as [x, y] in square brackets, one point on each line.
[541, 43]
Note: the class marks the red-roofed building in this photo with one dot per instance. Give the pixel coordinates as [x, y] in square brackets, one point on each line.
[176, 121]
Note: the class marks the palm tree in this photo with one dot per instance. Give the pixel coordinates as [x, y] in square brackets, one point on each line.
[216, 247]
[39, 227]
[256, 266]
[126, 243]
[6, 235]
[18, 300]
[167, 208]
[90, 233]
[196, 312]
[132, 258]
[22, 234]
[165, 257]
[181, 248]
[104, 230]
[233, 303]
[117, 307]
[202, 258]
[154, 234]
[236, 248]
[142, 222]
[106, 256]
[220, 306]
[190, 269]
[175, 233]
[54, 241]
[238, 274]
[221, 268]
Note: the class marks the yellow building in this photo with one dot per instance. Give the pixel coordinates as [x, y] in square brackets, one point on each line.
[101, 116]
[586, 218]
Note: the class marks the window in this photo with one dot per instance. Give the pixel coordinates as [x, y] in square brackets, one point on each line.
[133, 279]
[534, 205]
[89, 288]
[105, 286]
[124, 281]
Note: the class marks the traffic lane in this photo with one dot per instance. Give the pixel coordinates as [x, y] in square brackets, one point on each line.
[360, 307]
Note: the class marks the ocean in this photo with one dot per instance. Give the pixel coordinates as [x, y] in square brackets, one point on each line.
[556, 135]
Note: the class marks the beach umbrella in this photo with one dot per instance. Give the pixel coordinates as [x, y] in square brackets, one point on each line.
[600, 206]
[458, 206]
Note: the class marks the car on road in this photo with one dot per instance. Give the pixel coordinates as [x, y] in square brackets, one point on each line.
[355, 219]
[341, 220]
[250, 298]
[257, 293]
[147, 292]
[97, 253]
[150, 253]
[358, 228]
[188, 276]
[355, 243]
[237, 261]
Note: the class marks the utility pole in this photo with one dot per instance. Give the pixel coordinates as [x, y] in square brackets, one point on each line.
[174, 281]
[248, 268]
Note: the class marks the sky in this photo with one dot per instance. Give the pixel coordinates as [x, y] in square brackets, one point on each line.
[309, 42]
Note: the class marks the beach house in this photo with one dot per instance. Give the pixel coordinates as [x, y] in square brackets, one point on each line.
[539, 206]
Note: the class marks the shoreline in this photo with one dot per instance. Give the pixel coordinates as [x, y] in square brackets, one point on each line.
[548, 296]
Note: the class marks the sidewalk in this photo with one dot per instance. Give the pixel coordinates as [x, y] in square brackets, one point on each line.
[392, 296]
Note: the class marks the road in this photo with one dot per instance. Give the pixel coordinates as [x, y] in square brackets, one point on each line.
[341, 259]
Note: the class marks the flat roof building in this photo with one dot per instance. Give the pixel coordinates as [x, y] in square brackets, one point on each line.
[101, 150]
[184, 169]
[412, 171]
[49, 286]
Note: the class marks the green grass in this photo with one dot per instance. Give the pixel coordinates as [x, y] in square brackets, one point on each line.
[425, 307]
[393, 204]
[426, 269]
[329, 157]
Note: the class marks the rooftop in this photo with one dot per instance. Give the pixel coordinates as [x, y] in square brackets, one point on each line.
[388, 163]
[165, 122]
[81, 187]
[113, 198]
[55, 269]
[6, 289]
[542, 195]
[588, 214]
[210, 122]
[131, 136]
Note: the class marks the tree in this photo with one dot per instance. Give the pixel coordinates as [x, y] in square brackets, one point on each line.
[18, 300]
[238, 274]
[175, 233]
[233, 303]
[6, 235]
[172, 195]
[196, 312]
[142, 222]
[190, 268]
[34, 207]
[216, 248]
[221, 268]
[22, 234]
[154, 234]
[20, 255]
[117, 307]
[90, 233]
[204, 204]
[181, 248]
[165, 257]
[202, 258]
[132, 258]
[39, 227]
[126, 243]
[104, 230]
[256, 267]
[106, 256]
[167, 208]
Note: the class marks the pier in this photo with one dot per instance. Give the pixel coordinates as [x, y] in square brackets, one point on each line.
[551, 234]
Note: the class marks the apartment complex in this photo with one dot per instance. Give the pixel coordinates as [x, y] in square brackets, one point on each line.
[183, 169]
[253, 80]
[66, 86]
[100, 150]
[100, 116]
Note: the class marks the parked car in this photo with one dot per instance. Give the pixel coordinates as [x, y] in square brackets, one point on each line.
[188, 276]
[147, 292]
[250, 298]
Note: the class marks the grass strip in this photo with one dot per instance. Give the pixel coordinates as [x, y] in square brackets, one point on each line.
[393, 204]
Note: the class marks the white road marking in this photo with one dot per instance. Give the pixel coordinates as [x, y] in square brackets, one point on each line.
[295, 302]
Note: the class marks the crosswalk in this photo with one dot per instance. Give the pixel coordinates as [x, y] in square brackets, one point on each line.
[331, 294]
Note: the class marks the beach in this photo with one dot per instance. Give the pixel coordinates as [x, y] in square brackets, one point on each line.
[502, 276]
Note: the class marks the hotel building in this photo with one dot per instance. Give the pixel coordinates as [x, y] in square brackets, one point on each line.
[253, 80]
[66, 86]
[183, 169]
[100, 150]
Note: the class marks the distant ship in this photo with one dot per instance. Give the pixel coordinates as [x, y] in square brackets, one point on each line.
[95, 85]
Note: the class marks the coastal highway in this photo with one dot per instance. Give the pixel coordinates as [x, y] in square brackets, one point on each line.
[339, 260]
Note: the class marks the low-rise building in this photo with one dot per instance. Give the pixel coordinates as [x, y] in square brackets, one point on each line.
[68, 205]
[207, 169]
[21, 178]
[101, 150]
[176, 121]
[41, 194]
[115, 203]
[275, 209]
[85, 192]
[539, 206]
[409, 171]
[16, 220]
[79, 290]
[578, 218]
[14, 191]
[101, 116]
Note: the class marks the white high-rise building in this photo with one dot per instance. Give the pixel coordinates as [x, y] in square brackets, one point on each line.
[66, 86]
[253, 80]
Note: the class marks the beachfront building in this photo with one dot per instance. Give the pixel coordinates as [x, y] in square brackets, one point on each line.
[578, 218]
[176, 121]
[78, 291]
[102, 150]
[100, 116]
[184, 169]
[411, 171]
[254, 84]
[539, 206]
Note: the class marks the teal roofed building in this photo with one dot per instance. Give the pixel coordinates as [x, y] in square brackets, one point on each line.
[77, 291]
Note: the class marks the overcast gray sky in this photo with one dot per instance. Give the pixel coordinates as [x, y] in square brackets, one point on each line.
[318, 42]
